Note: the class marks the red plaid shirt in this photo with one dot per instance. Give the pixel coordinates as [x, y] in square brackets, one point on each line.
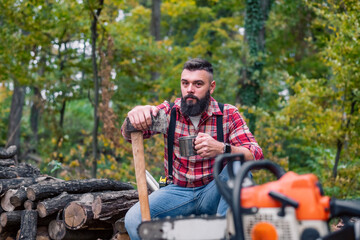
[195, 171]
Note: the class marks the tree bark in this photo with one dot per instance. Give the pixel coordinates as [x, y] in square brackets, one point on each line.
[156, 19]
[7, 162]
[35, 111]
[10, 219]
[17, 102]
[8, 153]
[53, 205]
[79, 215]
[28, 225]
[16, 183]
[22, 170]
[96, 85]
[19, 197]
[109, 204]
[46, 190]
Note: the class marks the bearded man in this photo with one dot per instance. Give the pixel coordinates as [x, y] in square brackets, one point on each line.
[192, 188]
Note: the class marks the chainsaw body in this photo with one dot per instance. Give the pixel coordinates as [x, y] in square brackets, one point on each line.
[291, 208]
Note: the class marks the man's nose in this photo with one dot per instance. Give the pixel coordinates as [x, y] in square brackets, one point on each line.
[190, 88]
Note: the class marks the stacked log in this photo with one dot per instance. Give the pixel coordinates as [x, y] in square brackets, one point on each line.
[36, 206]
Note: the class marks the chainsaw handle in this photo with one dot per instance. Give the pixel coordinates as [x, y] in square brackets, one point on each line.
[224, 188]
[236, 196]
[340, 208]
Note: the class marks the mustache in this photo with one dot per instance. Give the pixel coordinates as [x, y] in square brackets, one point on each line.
[191, 96]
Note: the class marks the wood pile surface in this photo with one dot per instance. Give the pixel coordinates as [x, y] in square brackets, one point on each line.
[40, 207]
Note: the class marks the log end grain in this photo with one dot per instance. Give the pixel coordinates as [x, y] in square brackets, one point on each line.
[75, 216]
[96, 207]
[30, 193]
[3, 219]
[57, 229]
[41, 210]
[5, 200]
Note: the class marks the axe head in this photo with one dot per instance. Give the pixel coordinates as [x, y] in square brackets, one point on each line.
[158, 123]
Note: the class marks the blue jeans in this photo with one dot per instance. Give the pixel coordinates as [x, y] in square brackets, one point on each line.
[173, 201]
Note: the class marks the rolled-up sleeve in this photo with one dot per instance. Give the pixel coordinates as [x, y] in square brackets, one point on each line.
[240, 135]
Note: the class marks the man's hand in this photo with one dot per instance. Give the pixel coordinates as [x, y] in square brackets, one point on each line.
[140, 116]
[207, 147]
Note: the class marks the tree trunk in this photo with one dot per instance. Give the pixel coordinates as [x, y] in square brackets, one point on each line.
[96, 86]
[17, 102]
[34, 116]
[156, 19]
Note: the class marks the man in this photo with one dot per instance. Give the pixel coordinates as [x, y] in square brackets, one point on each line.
[193, 190]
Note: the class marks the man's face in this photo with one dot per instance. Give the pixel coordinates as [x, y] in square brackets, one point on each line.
[196, 86]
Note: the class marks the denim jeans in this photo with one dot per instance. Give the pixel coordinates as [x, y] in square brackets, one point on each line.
[173, 201]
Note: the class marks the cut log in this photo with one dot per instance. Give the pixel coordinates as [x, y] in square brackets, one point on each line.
[121, 236]
[28, 225]
[29, 205]
[108, 204]
[7, 235]
[22, 170]
[53, 205]
[57, 229]
[42, 233]
[8, 219]
[5, 200]
[42, 191]
[9, 152]
[78, 215]
[7, 162]
[19, 197]
[120, 225]
[16, 183]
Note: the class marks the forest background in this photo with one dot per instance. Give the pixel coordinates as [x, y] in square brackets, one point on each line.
[70, 71]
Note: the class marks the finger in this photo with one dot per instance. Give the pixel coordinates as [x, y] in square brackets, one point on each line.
[142, 121]
[148, 120]
[154, 111]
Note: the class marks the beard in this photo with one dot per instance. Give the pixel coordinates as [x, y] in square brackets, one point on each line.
[194, 109]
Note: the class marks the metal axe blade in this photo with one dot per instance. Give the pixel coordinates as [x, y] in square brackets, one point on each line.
[158, 123]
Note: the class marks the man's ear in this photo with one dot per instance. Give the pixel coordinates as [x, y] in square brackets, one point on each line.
[212, 87]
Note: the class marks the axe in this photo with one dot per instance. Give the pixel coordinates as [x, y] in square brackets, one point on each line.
[158, 124]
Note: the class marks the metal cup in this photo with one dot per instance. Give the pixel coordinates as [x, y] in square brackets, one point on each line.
[187, 146]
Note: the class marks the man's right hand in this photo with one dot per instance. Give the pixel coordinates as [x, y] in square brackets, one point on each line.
[140, 116]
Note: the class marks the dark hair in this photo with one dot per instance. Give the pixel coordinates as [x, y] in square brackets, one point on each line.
[198, 64]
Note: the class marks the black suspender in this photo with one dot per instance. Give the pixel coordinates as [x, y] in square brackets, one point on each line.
[170, 140]
[171, 134]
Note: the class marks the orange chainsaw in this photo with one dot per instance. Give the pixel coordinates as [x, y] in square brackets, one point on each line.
[291, 208]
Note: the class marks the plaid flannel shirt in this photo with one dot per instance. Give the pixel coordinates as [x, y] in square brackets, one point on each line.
[195, 171]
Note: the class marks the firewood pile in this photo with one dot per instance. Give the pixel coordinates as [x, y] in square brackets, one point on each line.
[36, 206]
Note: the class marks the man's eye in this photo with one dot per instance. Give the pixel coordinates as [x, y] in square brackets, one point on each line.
[199, 84]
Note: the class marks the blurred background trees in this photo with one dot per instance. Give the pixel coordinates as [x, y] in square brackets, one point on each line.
[71, 70]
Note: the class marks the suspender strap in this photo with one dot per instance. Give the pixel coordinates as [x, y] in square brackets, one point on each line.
[219, 124]
[171, 134]
[170, 140]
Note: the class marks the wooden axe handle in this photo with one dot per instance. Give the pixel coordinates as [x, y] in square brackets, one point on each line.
[139, 162]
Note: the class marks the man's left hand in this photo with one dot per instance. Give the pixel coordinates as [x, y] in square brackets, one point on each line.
[207, 147]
